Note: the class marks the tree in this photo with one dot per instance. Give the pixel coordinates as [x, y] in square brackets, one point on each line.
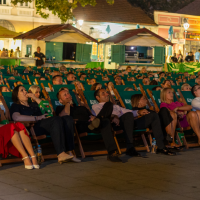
[61, 8]
[166, 5]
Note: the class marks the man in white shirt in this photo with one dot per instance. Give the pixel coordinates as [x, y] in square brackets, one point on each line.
[196, 101]
[124, 119]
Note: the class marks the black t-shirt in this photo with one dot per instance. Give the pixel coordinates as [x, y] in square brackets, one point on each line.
[33, 110]
[174, 59]
[40, 55]
[189, 58]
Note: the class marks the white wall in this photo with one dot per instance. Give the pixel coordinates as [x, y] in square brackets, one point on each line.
[35, 44]
[106, 58]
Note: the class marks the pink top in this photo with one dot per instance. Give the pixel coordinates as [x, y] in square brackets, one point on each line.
[172, 106]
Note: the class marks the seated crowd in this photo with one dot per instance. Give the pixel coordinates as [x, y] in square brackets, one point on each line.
[107, 114]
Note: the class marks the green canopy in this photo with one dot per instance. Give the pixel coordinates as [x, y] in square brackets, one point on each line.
[5, 33]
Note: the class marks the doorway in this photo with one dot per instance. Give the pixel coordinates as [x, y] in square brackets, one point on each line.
[69, 51]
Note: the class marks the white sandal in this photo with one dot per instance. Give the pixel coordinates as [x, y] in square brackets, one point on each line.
[35, 166]
[27, 166]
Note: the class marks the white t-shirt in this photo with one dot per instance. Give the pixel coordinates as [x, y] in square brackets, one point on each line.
[195, 104]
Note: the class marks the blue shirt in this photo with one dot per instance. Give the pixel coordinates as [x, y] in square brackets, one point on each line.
[197, 54]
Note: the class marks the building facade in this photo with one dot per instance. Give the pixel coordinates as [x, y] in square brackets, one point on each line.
[184, 40]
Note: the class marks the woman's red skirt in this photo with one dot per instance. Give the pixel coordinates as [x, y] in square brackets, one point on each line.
[6, 133]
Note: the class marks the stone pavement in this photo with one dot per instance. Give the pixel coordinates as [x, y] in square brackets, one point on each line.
[157, 177]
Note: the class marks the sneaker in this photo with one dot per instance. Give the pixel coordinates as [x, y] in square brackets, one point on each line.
[113, 158]
[94, 124]
[76, 160]
[165, 151]
[132, 152]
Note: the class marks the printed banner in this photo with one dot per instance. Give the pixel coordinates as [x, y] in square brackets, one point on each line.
[183, 67]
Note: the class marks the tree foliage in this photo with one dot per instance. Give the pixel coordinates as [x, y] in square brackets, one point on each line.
[165, 5]
[61, 8]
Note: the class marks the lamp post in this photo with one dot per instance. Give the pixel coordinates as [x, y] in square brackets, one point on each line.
[186, 25]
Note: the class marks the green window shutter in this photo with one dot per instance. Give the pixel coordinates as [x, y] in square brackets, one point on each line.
[83, 52]
[58, 49]
[118, 53]
[49, 50]
[54, 49]
[159, 55]
[87, 50]
[79, 52]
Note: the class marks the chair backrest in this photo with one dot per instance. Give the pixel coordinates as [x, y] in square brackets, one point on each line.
[123, 87]
[187, 96]
[7, 102]
[57, 87]
[89, 95]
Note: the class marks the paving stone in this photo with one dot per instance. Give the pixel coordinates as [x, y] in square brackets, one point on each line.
[27, 196]
[157, 177]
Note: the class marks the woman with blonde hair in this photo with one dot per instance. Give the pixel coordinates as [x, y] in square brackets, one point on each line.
[35, 90]
[180, 111]
[186, 87]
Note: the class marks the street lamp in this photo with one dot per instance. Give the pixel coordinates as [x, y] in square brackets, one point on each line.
[80, 22]
[186, 25]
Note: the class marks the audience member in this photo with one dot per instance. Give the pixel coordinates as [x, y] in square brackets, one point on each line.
[71, 77]
[82, 76]
[157, 88]
[15, 141]
[58, 128]
[153, 82]
[157, 122]
[180, 111]
[96, 86]
[118, 80]
[129, 89]
[146, 81]
[57, 80]
[186, 87]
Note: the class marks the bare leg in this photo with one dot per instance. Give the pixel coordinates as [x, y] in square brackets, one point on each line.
[27, 143]
[170, 129]
[19, 146]
[193, 120]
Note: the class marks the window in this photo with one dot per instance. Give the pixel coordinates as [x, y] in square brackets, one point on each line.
[2, 1]
[24, 4]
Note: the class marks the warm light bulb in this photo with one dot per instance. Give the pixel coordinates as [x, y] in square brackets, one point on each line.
[80, 22]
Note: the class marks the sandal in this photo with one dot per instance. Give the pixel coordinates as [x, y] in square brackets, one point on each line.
[27, 166]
